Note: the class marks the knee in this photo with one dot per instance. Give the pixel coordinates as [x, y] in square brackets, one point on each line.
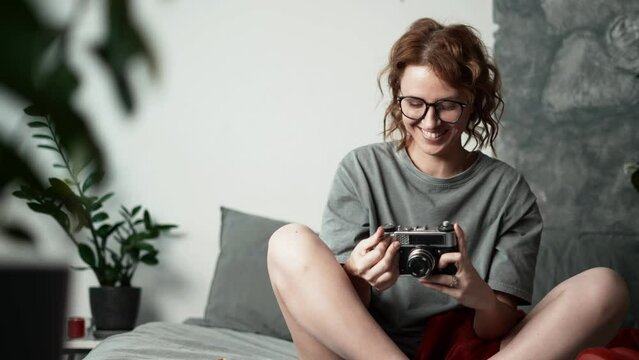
[607, 291]
[289, 246]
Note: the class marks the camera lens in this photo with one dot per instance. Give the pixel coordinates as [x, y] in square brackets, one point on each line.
[420, 263]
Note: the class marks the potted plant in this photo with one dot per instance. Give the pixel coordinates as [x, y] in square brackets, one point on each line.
[112, 249]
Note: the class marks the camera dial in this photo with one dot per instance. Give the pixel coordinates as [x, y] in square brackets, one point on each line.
[446, 226]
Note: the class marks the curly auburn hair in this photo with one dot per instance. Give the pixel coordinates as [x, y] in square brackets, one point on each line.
[458, 57]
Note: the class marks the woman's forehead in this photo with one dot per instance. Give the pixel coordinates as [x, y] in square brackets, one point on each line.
[423, 82]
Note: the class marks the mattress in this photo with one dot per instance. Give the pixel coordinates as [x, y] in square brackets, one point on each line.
[172, 341]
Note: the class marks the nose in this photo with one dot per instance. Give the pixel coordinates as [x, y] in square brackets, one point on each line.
[430, 119]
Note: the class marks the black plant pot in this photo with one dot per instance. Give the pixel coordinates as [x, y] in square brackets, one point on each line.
[114, 308]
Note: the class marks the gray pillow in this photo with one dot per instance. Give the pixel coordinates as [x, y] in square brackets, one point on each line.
[241, 297]
[566, 252]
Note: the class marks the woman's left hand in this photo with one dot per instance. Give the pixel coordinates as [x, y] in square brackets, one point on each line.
[466, 286]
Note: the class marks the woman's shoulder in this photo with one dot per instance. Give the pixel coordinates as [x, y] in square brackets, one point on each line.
[498, 167]
[499, 172]
[374, 152]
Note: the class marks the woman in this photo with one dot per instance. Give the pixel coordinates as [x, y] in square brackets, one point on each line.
[341, 294]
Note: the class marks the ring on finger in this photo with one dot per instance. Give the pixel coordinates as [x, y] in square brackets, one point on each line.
[454, 281]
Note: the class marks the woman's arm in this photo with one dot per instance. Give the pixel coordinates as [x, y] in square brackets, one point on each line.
[495, 312]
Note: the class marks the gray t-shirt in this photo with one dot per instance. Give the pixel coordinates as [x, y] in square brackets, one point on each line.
[376, 185]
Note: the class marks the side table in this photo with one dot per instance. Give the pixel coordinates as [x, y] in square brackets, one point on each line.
[80, 346]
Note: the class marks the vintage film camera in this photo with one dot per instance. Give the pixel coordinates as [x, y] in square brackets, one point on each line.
[420, 248]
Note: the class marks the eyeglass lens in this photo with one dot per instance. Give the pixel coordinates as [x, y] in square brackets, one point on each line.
[415, 109]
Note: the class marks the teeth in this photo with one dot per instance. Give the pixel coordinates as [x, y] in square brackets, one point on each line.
[432, 135]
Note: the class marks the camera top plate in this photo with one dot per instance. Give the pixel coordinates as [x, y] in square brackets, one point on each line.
[442, 236]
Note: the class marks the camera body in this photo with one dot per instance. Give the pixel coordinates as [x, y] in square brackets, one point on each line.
[420, 248]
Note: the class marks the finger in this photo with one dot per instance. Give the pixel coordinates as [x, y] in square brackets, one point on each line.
[452, 292]
[386, 264]
[375, 254]
[370, 242]
[440, 279]
[449, 258]
[461, 239]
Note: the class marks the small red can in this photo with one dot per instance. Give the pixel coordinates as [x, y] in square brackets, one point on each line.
[75, 327]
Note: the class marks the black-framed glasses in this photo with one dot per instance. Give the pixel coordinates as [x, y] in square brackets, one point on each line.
[414, 108]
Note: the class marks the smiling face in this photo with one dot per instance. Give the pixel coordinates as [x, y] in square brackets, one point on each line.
[431, 139]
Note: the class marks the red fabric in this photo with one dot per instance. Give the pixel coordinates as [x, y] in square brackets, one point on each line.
[450, 336]
[624, 346]
[616, 353]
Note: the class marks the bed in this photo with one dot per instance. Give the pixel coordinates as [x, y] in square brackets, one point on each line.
[242, 319]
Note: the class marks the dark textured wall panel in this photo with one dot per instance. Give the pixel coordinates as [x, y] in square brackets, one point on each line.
[572, 107]
[570, 72]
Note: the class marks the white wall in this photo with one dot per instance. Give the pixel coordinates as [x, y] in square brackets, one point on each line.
[256, 103]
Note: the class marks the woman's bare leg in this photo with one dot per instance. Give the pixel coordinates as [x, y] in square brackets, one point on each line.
[324, 313]
[583, 311]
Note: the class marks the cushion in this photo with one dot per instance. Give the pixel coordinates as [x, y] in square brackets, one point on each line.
[566, 252]
[241, 297]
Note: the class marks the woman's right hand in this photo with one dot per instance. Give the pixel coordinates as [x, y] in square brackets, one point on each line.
[375, 260]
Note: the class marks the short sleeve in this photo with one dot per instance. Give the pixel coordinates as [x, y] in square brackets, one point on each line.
[513, 265]
[345, 220]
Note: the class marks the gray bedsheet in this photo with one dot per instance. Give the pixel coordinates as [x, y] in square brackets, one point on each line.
[562, 254]
[173, 341]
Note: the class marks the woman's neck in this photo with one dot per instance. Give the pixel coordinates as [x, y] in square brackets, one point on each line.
[442, 166]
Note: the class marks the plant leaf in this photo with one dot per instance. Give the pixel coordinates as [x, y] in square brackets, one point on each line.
[34, 110]
[63, 220]
[147, 220]
[92, 179]
[21, 195]
[104, 230]
[98, 204]
[135, 238]
[164, 227]
[105, 198]
[135, 210]
[153, 233]
[29, 191]
[37, 124]
[43, 136]
[18, 233]
[111, 275]
[48, 147]
[86, 254]
[145, 246]
[123, 43]
[77, 141]
[88, 201]
[101, 216]
[114, 256]
[150, 259]
[72, 202]
[61, 189]
[114, 228]
[41, 208]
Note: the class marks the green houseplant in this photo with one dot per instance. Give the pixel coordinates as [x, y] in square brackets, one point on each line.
[112, 249]
[36, 69]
